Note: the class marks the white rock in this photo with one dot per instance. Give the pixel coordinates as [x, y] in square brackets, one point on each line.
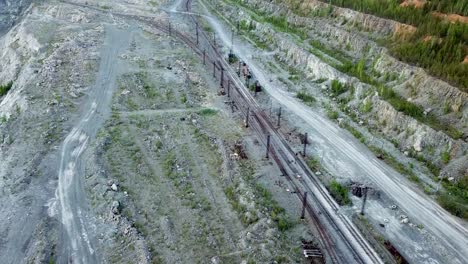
[114, 187]
[115, 208]
[404, 221]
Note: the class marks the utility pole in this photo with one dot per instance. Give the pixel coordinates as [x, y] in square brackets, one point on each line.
[364, 200]
[204, 56]
[239, 71]
[232, 42]
[229, 88]
[247, 117]
[232, 106]
[222, 77]
[196, 28]
[214, 39]
[170, 28]
[268, 147]
[304, 204]
[305, 144]
[279, 117]
[214, 69]
[271, 105]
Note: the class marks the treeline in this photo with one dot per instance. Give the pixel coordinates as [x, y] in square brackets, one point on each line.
[410, 15]
[440, 57]
[438, 46]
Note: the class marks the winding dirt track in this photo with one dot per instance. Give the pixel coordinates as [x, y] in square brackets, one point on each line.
[77, 239]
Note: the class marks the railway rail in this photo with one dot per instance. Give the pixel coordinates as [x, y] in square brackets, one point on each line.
[339, 237]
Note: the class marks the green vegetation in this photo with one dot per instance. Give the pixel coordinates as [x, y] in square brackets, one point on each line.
[277, 213]
[355, 132]
[313, 164]
[305, 97]
[442, 54]
[338, 88]
[264, 199]
[366, 107]
[417, 112]
[339, 192]
[455, 199]
[332, 114]
[445, 157]
[207, 112]
[5, 88]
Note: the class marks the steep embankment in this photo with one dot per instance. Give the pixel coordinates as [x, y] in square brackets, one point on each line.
[424, 117]
[10, 12]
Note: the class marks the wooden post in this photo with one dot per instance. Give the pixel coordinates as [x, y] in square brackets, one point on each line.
[304, 204]
[196, 28]
[279, 117]
[239, 70]
[247, 117]
[268, 147]
[214, 69]
[305, 144]
[364, 200]
[222, 77]
[204, 57]
[229, 88]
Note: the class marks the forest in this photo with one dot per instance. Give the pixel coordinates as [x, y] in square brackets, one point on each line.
[439, 46]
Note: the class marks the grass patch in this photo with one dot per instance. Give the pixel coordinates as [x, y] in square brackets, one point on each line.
[207, 112]
[339, 192]
[366, 107]
[332, 114]
[305, 97]
[355, 132]
[338, 88]
[455, 198]
[5, 88]
[445, 157]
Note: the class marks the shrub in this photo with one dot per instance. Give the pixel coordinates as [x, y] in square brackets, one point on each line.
[454, 205]
[332, 114]
[339, 192]
[5, 88]
[305, 97]
[366, 107]
[207, 112]
[338, 88]
[445, 156]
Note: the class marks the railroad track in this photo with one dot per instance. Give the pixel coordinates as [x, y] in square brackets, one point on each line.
[339, 237]
[291, 165]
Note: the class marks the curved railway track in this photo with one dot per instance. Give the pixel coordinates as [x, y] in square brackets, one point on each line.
[291, 165]
[339, 237]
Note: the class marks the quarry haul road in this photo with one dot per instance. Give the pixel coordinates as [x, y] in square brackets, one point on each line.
[346, 155]
[77, 240]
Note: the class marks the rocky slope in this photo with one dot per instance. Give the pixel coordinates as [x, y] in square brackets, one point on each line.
[10, 12]
[441, 128]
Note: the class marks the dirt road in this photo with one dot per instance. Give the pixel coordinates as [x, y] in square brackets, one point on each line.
[77, 240]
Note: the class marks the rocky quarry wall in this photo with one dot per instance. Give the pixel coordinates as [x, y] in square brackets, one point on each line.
[413, 83]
